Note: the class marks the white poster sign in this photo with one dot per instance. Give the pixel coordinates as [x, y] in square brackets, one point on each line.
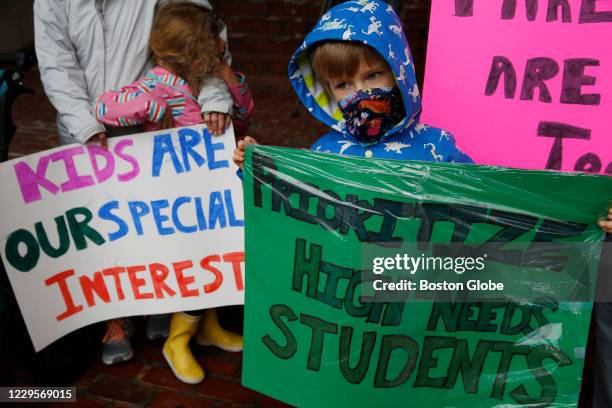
[152, 225]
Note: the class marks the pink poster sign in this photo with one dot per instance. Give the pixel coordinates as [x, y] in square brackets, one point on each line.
[523, 83]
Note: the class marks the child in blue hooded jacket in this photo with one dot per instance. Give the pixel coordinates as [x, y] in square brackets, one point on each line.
[354, 72]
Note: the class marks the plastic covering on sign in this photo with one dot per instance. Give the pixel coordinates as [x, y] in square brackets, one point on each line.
[310, 340]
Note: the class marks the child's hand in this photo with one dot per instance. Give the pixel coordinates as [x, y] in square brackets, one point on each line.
[227, 74]
[216, 122]
[239, 151]
[224, 71]
[606, 226]
[99, 138]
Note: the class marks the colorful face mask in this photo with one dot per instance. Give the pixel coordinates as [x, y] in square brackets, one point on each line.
[370, 113]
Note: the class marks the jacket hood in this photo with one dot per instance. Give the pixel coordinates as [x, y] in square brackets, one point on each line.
[370, 22]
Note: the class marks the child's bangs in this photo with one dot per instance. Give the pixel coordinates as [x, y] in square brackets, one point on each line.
[333, 59]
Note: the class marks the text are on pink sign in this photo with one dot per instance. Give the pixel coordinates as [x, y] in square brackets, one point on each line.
[523, 83]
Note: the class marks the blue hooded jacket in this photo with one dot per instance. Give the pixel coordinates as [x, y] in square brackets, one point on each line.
[376, 24]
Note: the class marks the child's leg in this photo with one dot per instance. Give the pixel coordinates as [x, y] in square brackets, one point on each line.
[158, 326]
[117, 347]
[212, 334]
[177, 352]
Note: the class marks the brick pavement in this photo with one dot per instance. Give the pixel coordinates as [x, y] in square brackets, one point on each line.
[148, 381]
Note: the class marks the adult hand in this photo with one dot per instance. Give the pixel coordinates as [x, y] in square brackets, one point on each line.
[239, 151]
[216, 122]
[100, 138]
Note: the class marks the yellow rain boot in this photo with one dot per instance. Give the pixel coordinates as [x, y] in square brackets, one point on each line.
[212, 334]
[177, 351]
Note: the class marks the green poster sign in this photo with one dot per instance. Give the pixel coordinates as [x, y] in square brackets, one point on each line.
[311, 340]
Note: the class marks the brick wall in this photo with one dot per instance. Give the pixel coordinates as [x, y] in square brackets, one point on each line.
[262, 34]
